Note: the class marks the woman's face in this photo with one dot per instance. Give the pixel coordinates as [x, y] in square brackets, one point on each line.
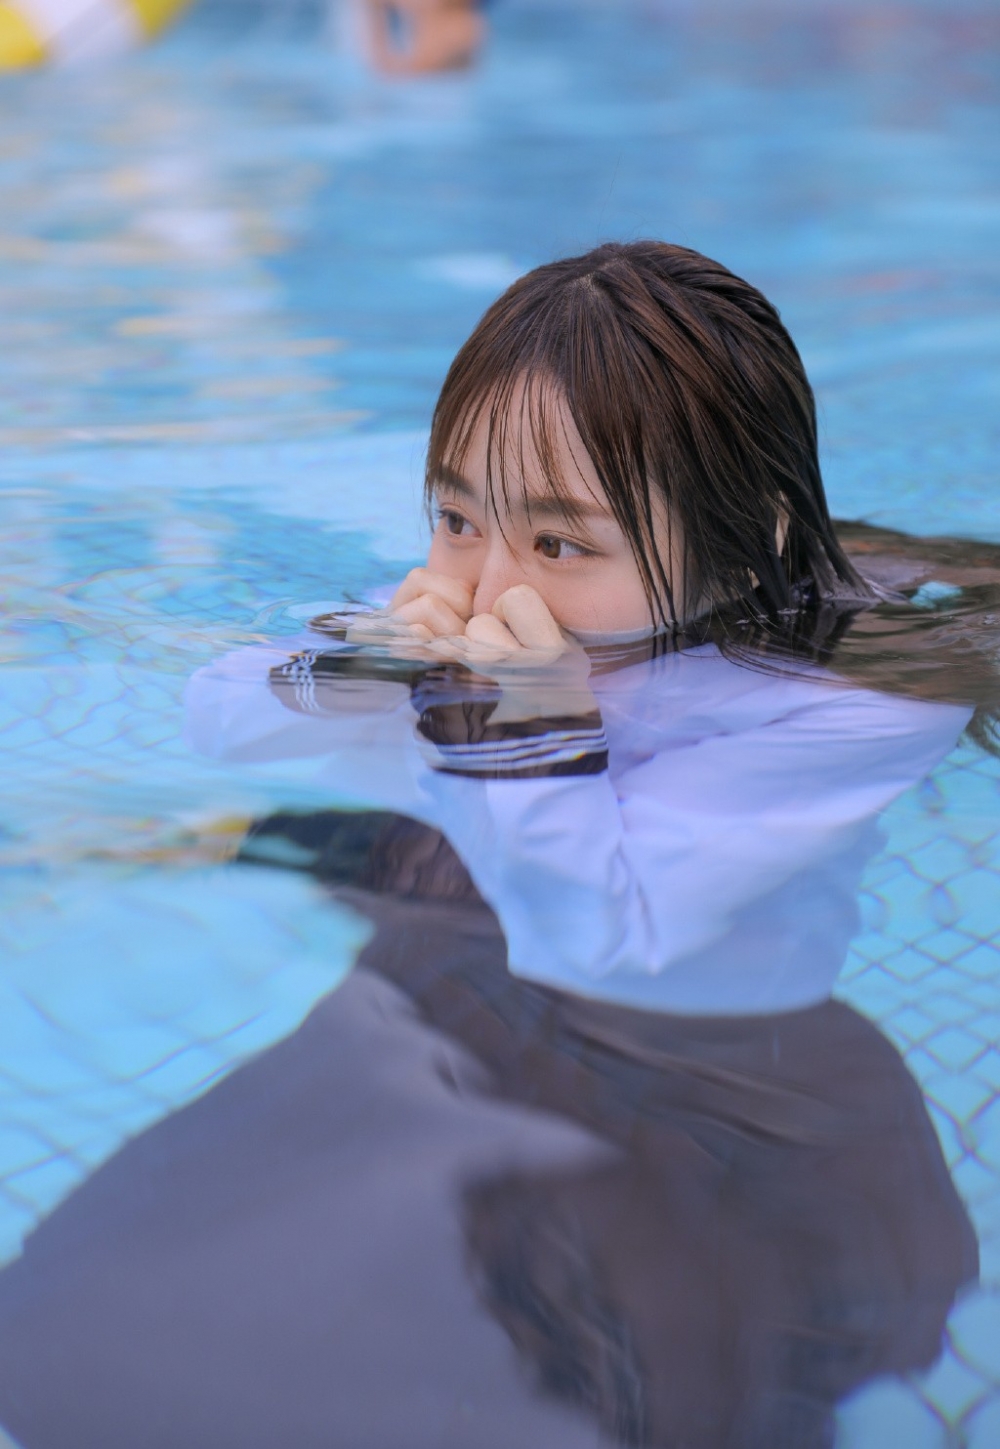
[568, 547]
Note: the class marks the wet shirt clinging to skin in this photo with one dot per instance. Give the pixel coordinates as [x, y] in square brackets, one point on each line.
[678, 833]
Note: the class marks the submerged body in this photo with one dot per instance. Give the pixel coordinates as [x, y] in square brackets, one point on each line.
[687, 835]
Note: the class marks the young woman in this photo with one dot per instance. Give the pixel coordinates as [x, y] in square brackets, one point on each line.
[630, 434]
[624, 1125]
[607, 686]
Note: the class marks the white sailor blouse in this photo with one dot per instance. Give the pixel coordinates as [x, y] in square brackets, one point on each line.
[691, 839]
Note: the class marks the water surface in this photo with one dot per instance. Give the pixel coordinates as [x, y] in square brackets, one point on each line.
[234, 270]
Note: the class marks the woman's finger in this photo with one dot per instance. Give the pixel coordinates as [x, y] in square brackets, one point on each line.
[433, 613]
[488, 630]
[457, 595]
[528, 618]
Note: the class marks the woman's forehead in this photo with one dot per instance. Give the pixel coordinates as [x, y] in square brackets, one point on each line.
[525, 445]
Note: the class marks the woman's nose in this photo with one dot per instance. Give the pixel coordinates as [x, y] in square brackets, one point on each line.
[501, 571]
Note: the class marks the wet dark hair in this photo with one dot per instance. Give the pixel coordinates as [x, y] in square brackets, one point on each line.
[686, 391]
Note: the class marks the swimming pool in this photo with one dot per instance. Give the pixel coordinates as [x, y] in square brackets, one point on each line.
[234, 272]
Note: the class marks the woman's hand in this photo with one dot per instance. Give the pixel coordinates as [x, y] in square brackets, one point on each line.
[542, 670]
[440, 604]
[425, 606]
[519, 625]
[436, 610]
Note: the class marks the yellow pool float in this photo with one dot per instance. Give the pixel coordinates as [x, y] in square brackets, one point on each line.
[37, 32]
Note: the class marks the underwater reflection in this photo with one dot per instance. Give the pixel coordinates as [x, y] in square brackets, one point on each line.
[456, 1208]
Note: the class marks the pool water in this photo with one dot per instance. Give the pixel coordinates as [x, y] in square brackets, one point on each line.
[234, 270]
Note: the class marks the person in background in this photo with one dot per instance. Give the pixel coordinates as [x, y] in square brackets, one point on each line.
[399, 37]
[415, 37]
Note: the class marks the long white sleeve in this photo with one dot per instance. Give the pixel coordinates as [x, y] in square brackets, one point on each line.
[629, 885]
[363, 751]
[700, 852]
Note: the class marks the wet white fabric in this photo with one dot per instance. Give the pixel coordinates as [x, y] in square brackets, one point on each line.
[713, 868]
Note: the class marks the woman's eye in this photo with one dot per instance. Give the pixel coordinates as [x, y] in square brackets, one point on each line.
[455, 524]
[549, 545]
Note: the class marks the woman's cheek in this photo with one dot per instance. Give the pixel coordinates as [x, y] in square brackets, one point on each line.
[571, 607]
[608, 604]
[455, 562]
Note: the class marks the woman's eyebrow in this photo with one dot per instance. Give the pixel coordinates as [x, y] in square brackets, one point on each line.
[539, 506]
[567, 510]
[445, 477]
